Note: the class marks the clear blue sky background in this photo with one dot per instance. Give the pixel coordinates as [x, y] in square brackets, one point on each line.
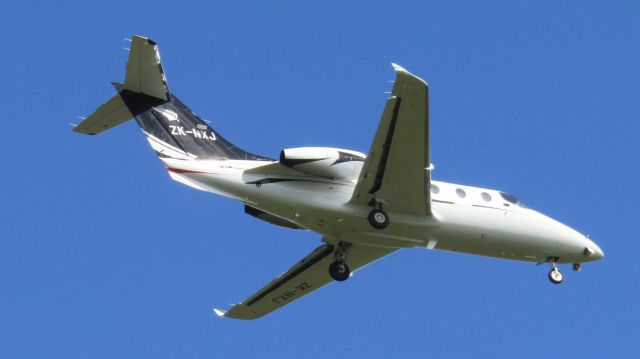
[102, 256]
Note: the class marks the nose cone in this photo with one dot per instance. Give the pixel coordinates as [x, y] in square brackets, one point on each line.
[581, 248]
[597, 252]
[572, 246]
[591, 252]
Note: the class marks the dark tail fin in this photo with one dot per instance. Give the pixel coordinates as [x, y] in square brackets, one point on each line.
[171, 128]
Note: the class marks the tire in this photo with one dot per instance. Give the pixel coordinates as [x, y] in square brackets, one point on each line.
[339, 271]
[555, 276]
[378, 219]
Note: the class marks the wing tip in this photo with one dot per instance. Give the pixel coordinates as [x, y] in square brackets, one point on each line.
[398, 68]
[143, 38]
[219, 313]
[402, 71]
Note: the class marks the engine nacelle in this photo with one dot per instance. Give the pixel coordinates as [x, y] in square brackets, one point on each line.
[326, 162]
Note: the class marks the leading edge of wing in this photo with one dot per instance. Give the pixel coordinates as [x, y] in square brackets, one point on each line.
[396, 172]
[304, 277]
[285, 288]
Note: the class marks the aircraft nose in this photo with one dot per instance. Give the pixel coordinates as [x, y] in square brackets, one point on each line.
[593, 251]
[599, 253]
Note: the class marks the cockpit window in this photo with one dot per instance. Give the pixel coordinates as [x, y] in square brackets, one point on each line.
[512, 199]
[509, 198]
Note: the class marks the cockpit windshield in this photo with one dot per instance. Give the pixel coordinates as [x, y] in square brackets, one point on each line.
[512, 199]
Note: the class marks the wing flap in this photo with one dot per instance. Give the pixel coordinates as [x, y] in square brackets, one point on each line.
[304, 277]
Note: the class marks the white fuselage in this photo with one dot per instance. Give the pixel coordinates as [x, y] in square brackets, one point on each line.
[465, 219]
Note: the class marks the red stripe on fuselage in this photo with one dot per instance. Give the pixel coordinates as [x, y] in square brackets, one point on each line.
[178, 170]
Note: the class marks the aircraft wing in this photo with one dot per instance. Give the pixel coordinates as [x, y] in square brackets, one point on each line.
[304, 277]
[396, 172]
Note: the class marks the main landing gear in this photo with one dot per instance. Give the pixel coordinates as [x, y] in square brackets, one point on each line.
[338, 270]
[555, 276]
[378, 218]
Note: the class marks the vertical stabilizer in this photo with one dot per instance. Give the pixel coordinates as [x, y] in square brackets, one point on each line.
[145, 86]
[145, 74]
[172, 129]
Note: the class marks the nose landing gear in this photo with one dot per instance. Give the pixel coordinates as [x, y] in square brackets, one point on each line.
[555, 276]
[577, 267]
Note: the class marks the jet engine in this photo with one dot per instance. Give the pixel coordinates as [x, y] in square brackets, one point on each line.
[326, 162]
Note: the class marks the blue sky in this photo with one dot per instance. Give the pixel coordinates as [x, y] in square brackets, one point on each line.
[101, 255]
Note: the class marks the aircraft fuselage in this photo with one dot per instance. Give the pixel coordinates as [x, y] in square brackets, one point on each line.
[465, 219]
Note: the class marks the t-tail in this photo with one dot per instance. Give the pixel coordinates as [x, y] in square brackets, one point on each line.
[170, 127]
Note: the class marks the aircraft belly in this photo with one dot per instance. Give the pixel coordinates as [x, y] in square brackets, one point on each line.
[492, 232]
[313, 205]
[404, 230]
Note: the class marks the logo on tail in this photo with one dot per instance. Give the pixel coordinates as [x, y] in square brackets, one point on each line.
[168, 114]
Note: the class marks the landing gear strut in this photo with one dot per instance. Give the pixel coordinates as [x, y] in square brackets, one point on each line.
[378, 218]
[555, 276]
[338, 270]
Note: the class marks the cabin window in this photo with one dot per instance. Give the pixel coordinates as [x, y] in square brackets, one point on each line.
[486, 197]
[435, 189]
[461, 193]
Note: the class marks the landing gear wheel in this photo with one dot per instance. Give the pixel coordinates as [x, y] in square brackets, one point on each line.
[339, 271]
[555, 276]
[378, 219]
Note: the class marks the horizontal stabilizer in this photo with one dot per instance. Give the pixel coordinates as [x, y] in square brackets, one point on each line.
[107, 116]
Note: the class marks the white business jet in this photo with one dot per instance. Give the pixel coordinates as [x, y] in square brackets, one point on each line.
[364, 206]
